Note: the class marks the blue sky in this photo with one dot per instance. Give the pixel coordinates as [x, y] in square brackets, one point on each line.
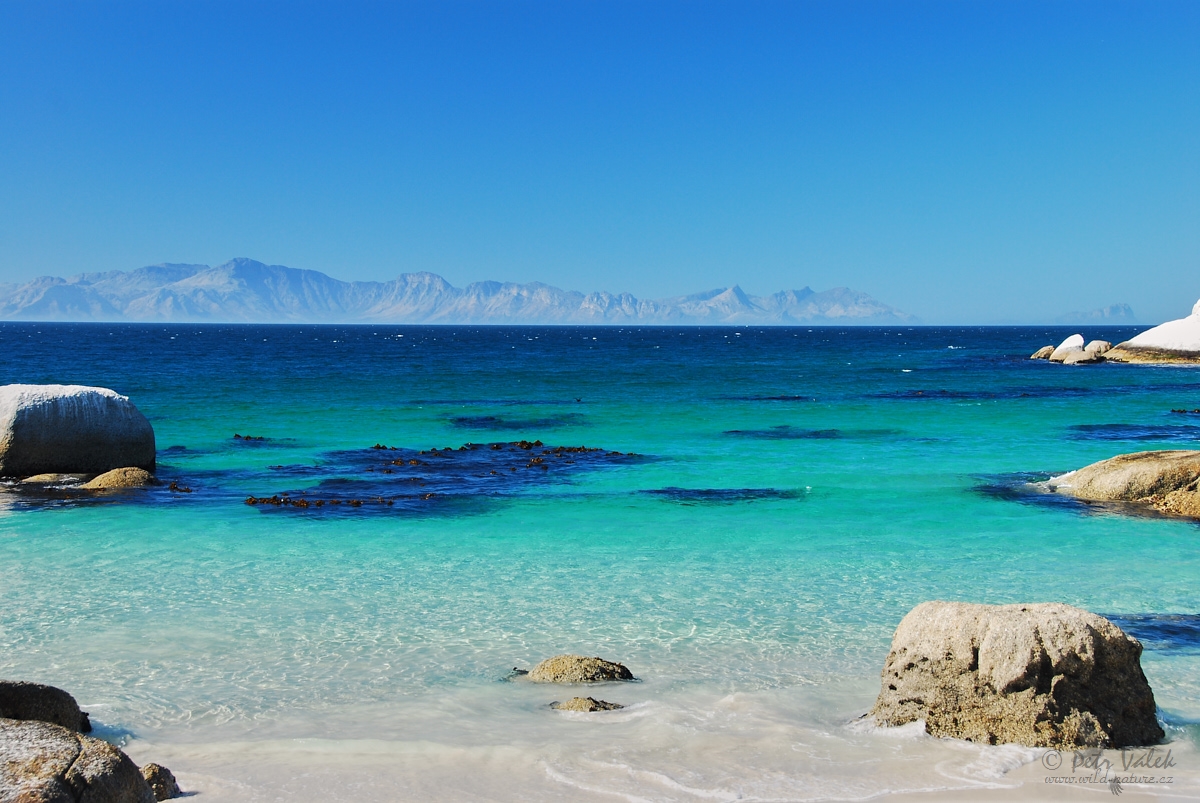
[964, 161]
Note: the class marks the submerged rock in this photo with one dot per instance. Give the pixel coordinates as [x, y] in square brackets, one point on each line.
[1042, 675]
[161, 781]
[1167, 480]
[1043, 353]
[586, 704]
[121, 478]
[44, 763]
[1175, 341]
[22, 700]
[578, 669]
[64, 429]
[56, 479]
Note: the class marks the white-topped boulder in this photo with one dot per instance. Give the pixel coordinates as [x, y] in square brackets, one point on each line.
[1173, 341]
[71, 429]
[1071, 345]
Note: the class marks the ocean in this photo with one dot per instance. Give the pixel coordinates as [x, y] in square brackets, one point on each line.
[755, 511]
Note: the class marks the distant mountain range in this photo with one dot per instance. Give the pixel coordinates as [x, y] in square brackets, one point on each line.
[1112, 315]
[245, 291]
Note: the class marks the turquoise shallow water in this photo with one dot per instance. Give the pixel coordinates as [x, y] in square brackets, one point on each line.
[798, 491]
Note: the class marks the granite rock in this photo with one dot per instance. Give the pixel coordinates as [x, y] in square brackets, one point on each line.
[44, 763]
[586, 704]
[1071, 344]
[22, 700]
[120, 478]
[162, 781]
[69, 429]
[1132, 477]
[1042, 675]
[578, 669]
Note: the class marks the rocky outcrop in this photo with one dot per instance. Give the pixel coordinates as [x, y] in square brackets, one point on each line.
[586, 704]
[66, 429]
[161, 781]
[1072, 351]
[1175, 341]
[1168, 481]
[578, 669]
[1042, 675]
[33, 701]
[120, 478]
[44, 763]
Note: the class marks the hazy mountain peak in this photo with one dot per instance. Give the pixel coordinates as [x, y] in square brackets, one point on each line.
[1112, 315]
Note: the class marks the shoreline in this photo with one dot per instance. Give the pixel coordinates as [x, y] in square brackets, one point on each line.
[303, 770]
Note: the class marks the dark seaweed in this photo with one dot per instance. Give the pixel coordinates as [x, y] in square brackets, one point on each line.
[495, 402]
[721, 496]
[783, 432]
[1135, 432]
[260, 440]
[1161, 632]
[781, 398]
[983, 395]
[497, 424]
[465, 479]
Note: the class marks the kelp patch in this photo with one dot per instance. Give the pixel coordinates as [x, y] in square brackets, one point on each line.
[462, 479]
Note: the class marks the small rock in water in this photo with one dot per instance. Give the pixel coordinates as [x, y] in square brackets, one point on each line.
[121, 478]
[1043, 353]
[55, 479]
[586, 704]
[162, 781]
[578, 669]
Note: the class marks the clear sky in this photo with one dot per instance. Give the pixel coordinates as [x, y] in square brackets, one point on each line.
[965, 161]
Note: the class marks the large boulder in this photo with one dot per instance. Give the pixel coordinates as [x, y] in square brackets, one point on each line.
[1175, 341]
[1042, 675]
[578, 669]
[1167, 480]
[44, 763]
[66, 429]
[23, 700]
[1072, 344]
[1098, 347]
